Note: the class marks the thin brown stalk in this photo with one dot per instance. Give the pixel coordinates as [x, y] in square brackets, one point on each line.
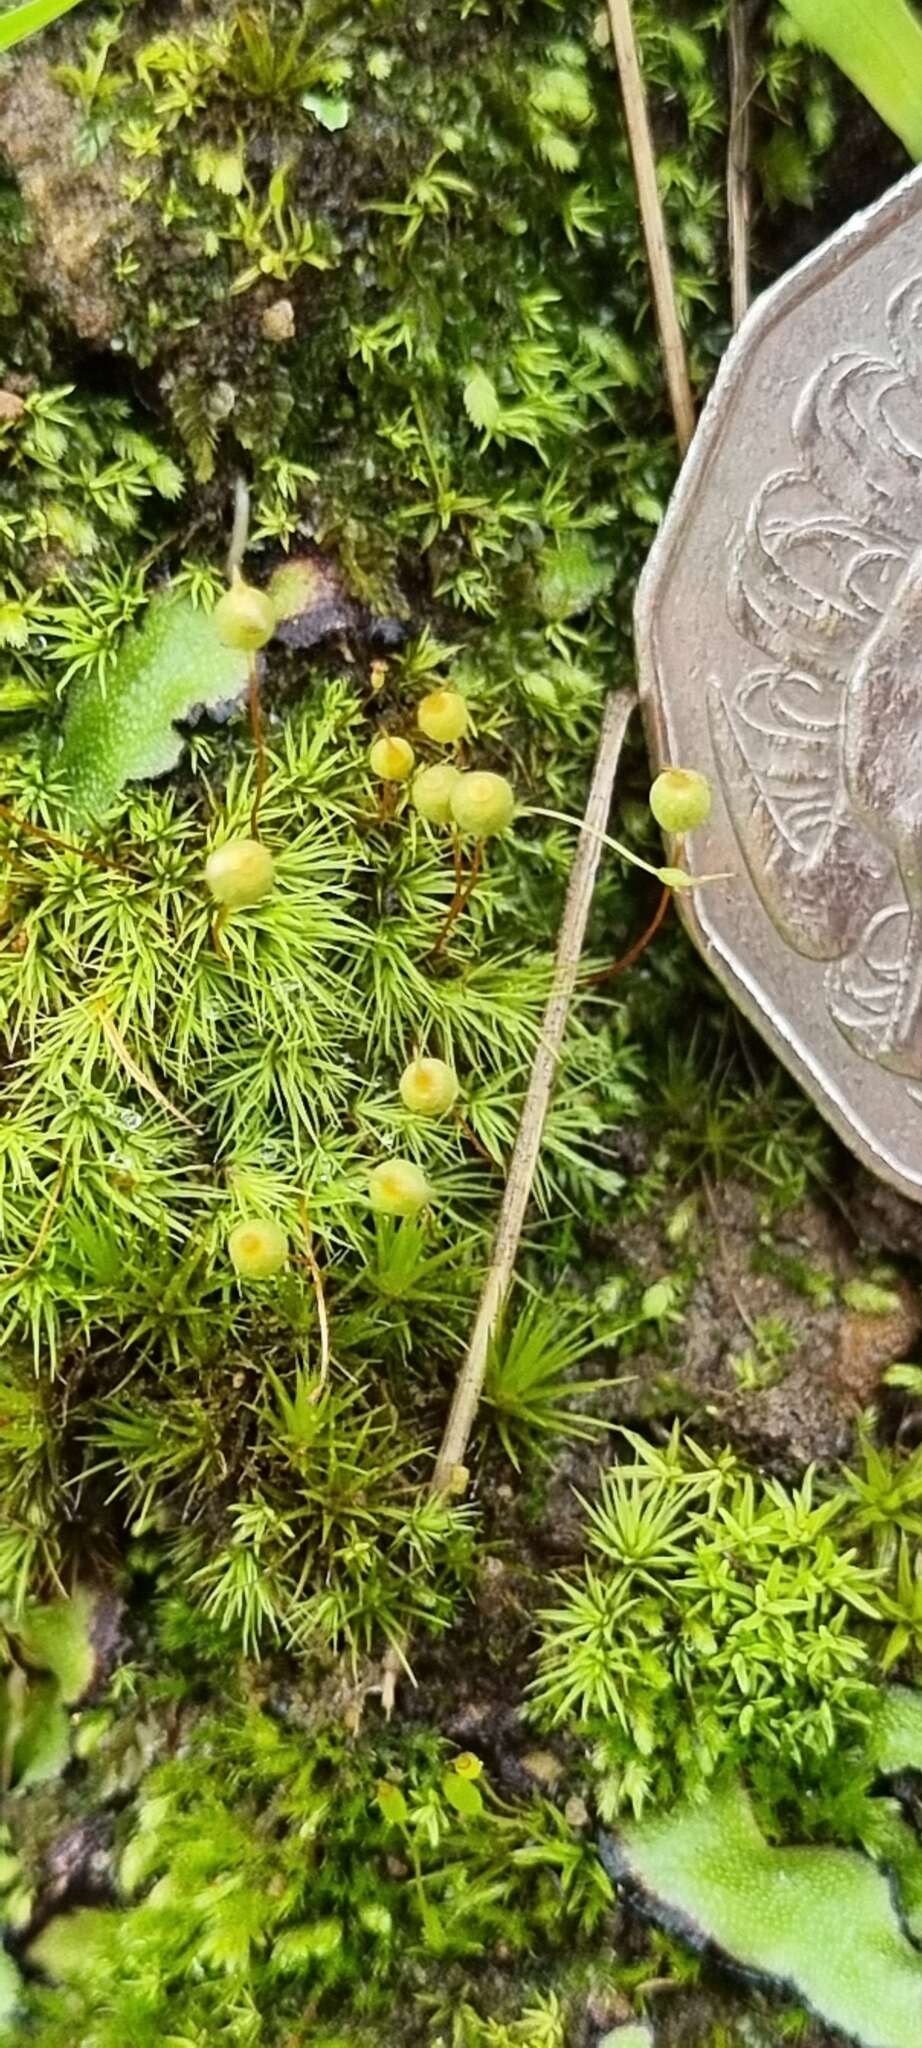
[637, 117]
[640, 945]
[323, 1320]
[462, 896]
[470, 1134]
[25, 825]
[739, 139]
[257, 732]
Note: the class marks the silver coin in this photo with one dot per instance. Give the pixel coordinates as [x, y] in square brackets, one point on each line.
[780, 639]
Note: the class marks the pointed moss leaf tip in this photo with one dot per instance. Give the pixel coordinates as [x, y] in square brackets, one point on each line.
[123, 728]
[820, 1922]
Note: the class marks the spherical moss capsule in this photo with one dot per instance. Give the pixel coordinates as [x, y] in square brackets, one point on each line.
[397, 1187]
[244, 617]
[482, 804]
[443, 716]
[432, 792]
[429, 1087]
[258, 1248]
[680, 799]
[240, 873]
[391, 758]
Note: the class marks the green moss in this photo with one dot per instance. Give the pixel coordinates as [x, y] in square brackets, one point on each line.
[721, 1618]
[343, 1871]
[459, 404]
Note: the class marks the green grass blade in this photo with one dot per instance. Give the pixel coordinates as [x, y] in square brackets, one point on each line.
[18, 22]
[878, 44]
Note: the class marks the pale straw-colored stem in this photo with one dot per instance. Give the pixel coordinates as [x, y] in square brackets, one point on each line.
[637, 117]
[449, 1475]
[739, 184]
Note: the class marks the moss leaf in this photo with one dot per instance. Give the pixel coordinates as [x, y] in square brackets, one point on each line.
[122, 729]
[42, 1749]
[818, 1921]
[57, 1638]
[331, 110]
[481, 401]
[72, 1944]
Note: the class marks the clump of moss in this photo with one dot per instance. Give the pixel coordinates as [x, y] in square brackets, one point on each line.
[344, 1874]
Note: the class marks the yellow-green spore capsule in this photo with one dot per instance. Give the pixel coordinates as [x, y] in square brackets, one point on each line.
[429, 1087]
[240, 873]
[680, 800]
[391, 758]
[432, 789]
[258, 1248]
[397, 1187]
[482, 804]
[443, 716]
[244, 617]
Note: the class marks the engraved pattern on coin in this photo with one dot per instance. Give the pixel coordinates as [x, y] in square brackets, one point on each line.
[820, 753]
[779, 635]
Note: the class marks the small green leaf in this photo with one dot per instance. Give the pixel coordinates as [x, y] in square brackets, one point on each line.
[392, 1803]
[332, 112]
[122, 729]
[657, 1300]
[897, 1732]
[463, 1795]
[57, 1638]
[14, 624]
[313, 1942]
[278, 186]
[73, 1943]
[42, 1749]
[868, 1298]
[571, 575]
[481, 401]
